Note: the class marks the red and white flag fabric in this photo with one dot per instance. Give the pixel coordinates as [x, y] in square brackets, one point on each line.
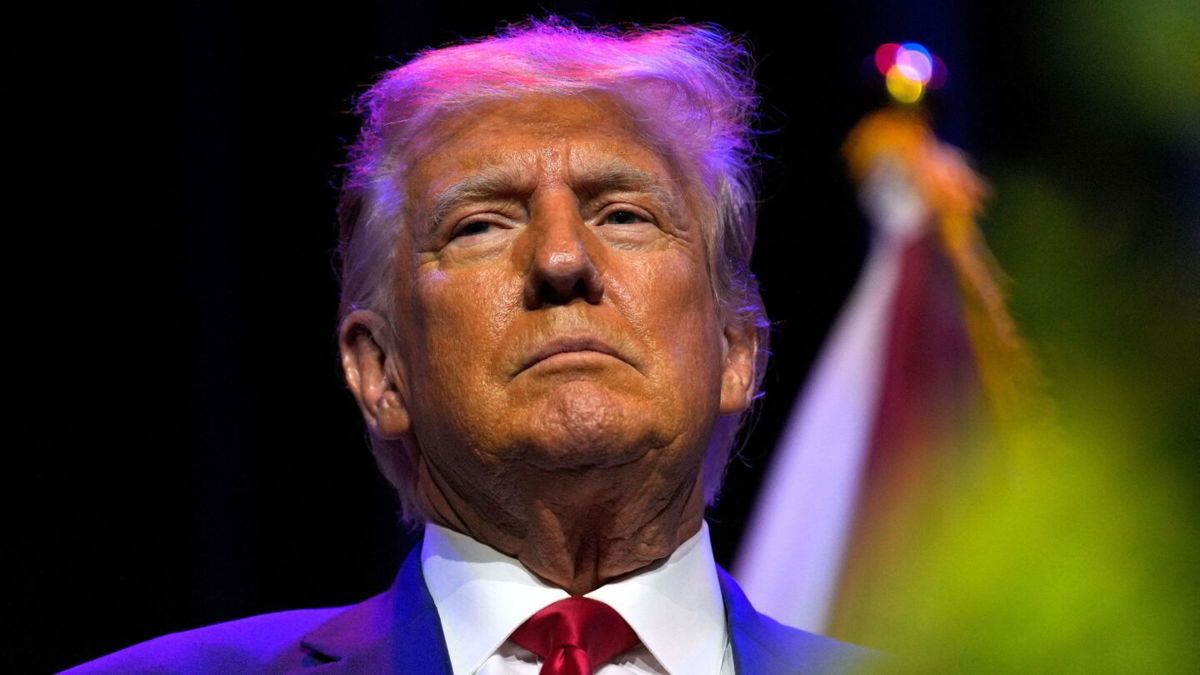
[921, 343]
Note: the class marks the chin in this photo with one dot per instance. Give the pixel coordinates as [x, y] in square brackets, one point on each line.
[583, 426]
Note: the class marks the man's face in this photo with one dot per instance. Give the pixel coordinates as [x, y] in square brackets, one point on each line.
[553, 306]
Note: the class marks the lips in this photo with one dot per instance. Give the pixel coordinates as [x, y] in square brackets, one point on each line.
[567, 345]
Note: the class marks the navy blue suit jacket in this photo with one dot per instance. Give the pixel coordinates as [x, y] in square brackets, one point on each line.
[399, 631]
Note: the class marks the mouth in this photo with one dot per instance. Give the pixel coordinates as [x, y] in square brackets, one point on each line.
[571, 348]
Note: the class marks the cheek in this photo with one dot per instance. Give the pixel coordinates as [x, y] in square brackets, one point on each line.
[679, 315]
[463, 314]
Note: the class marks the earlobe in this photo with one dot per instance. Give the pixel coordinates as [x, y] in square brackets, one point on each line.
[373, 373]
[738, 376]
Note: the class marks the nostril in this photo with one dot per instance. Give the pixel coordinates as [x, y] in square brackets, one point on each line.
[591, 286]
[551, 293]
[560, 285]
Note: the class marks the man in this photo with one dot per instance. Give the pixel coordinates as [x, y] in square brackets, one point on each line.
[549, 323]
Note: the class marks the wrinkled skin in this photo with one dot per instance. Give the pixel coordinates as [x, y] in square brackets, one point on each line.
[558, 362]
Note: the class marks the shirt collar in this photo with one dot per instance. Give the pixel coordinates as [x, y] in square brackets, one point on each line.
[482, 596]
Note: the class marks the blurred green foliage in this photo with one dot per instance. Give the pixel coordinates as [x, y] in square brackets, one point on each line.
[1067, 555]
[1138, 59]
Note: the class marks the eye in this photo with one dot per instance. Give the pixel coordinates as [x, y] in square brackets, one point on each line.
[473, 228]
[623, 217]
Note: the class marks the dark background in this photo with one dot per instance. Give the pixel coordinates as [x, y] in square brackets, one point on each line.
[182, 450]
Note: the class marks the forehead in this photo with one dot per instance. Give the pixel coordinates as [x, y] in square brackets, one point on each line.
[523, 141]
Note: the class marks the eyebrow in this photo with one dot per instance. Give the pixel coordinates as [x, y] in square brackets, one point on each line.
[593, 178]
[496, 182]
[588, 178]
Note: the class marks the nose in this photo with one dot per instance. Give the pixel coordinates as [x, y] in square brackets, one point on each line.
[562, 267]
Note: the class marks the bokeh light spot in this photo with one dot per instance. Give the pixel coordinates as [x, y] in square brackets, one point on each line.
[909, 70]
[902, 87]
[914, 60]
[885, 57]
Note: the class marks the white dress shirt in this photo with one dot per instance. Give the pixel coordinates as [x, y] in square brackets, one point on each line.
[482, 596]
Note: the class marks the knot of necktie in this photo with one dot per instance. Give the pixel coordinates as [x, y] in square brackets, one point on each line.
[575, 636]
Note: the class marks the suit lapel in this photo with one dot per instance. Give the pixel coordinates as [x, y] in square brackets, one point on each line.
[397, 631]
[745, 631]
[763, 645]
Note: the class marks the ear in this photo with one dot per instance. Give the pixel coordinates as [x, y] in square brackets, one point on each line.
[374, 373]
[737, 376]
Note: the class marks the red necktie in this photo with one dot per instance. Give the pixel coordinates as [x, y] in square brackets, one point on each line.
[574, 636]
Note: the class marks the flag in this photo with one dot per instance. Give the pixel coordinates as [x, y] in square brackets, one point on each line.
[923, 351]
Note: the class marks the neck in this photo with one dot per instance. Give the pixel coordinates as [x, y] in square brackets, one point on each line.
[598, 532]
